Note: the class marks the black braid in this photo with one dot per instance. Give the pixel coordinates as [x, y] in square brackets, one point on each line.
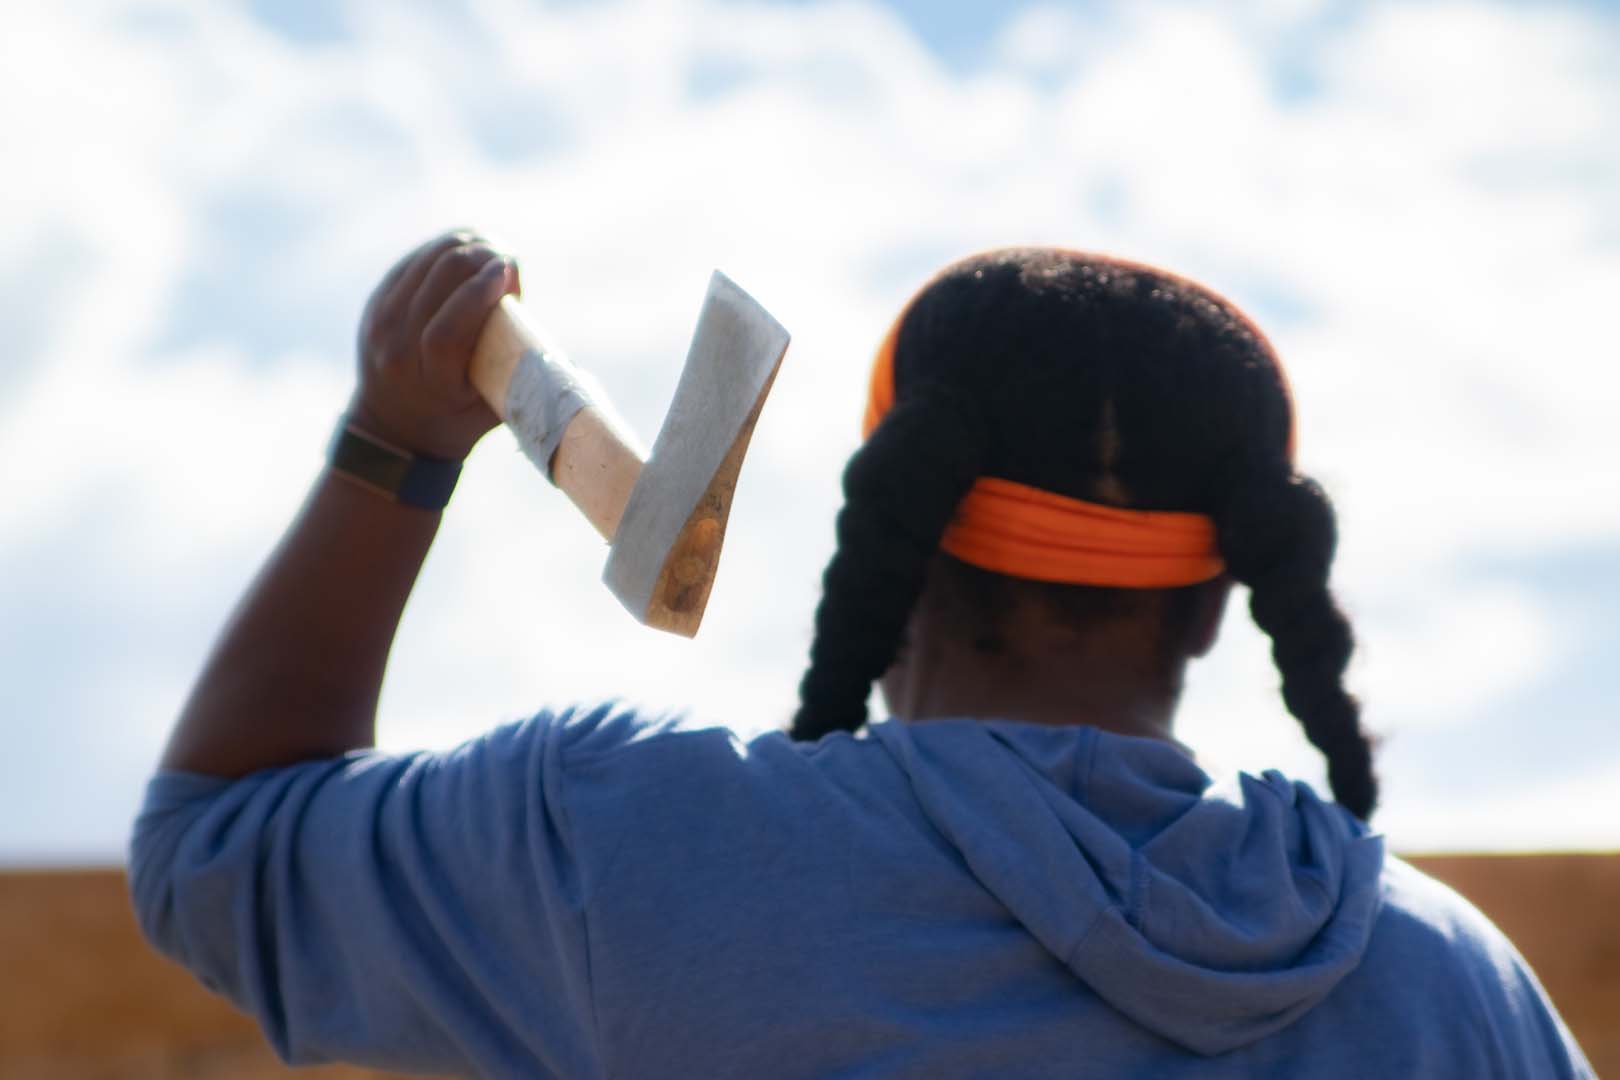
[1103, 380]
[900, 489]
[1277, 533]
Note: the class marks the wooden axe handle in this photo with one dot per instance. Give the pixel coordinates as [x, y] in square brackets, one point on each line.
[595, 463]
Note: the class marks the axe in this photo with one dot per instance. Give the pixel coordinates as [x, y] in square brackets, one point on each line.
[663, 515]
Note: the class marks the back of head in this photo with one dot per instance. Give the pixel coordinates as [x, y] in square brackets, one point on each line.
[1102, 380]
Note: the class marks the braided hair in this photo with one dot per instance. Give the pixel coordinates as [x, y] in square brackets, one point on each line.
[1102, 380]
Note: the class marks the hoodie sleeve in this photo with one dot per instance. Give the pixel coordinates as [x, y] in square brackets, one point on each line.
[419, 912]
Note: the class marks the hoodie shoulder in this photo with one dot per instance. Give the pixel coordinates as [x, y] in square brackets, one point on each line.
[1483, 1001]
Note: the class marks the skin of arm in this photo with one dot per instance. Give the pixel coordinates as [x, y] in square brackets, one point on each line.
[296, 671]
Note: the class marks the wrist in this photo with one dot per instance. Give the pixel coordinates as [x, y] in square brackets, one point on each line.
[382, 466]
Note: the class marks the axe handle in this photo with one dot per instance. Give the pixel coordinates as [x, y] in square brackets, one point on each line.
[596, 464]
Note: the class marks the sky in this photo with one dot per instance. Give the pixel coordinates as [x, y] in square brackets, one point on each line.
[1417, 201]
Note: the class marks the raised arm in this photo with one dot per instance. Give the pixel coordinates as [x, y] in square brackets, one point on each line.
[296, 672]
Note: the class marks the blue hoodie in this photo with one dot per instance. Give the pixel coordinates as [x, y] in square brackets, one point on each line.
[600, 892]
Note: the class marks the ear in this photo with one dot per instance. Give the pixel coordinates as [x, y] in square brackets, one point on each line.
[1209, 610]
[893, 685]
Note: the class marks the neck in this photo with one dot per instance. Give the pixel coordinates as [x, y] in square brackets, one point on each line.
[1104, 680]
[1121, 670]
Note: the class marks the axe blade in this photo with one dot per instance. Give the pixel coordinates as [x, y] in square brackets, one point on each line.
[667, 545]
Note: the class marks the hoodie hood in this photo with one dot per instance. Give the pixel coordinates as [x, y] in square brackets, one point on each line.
[1212, 912]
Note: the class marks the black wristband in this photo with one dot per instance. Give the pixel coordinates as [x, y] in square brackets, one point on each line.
[393, 473]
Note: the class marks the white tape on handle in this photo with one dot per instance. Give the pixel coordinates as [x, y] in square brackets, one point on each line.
[545, 393]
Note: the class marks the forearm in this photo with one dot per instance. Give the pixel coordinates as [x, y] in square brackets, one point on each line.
[296, 672]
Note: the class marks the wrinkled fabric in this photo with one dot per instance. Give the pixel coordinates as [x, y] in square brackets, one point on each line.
[606, 892]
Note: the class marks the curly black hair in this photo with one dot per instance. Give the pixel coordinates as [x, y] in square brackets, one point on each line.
[1103, 380]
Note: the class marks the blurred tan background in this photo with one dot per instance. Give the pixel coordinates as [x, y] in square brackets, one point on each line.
[83, 998]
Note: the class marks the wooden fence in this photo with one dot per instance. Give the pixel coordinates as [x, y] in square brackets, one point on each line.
[84, 998]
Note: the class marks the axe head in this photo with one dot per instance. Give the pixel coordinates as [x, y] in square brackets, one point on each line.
[667, 545]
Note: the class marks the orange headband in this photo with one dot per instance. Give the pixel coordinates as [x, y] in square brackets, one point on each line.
[1021, 531]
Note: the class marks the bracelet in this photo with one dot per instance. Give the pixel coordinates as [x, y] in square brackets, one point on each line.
[389, 471]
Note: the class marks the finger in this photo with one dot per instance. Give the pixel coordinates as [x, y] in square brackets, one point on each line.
[452, 333]
[448, 271]
[392, 296]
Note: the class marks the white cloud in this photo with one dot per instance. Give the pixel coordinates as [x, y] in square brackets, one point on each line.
[1466, 648]
[1422, 232]
[1585, 810]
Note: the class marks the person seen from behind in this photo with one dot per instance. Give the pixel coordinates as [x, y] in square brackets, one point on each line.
[1069, 461]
